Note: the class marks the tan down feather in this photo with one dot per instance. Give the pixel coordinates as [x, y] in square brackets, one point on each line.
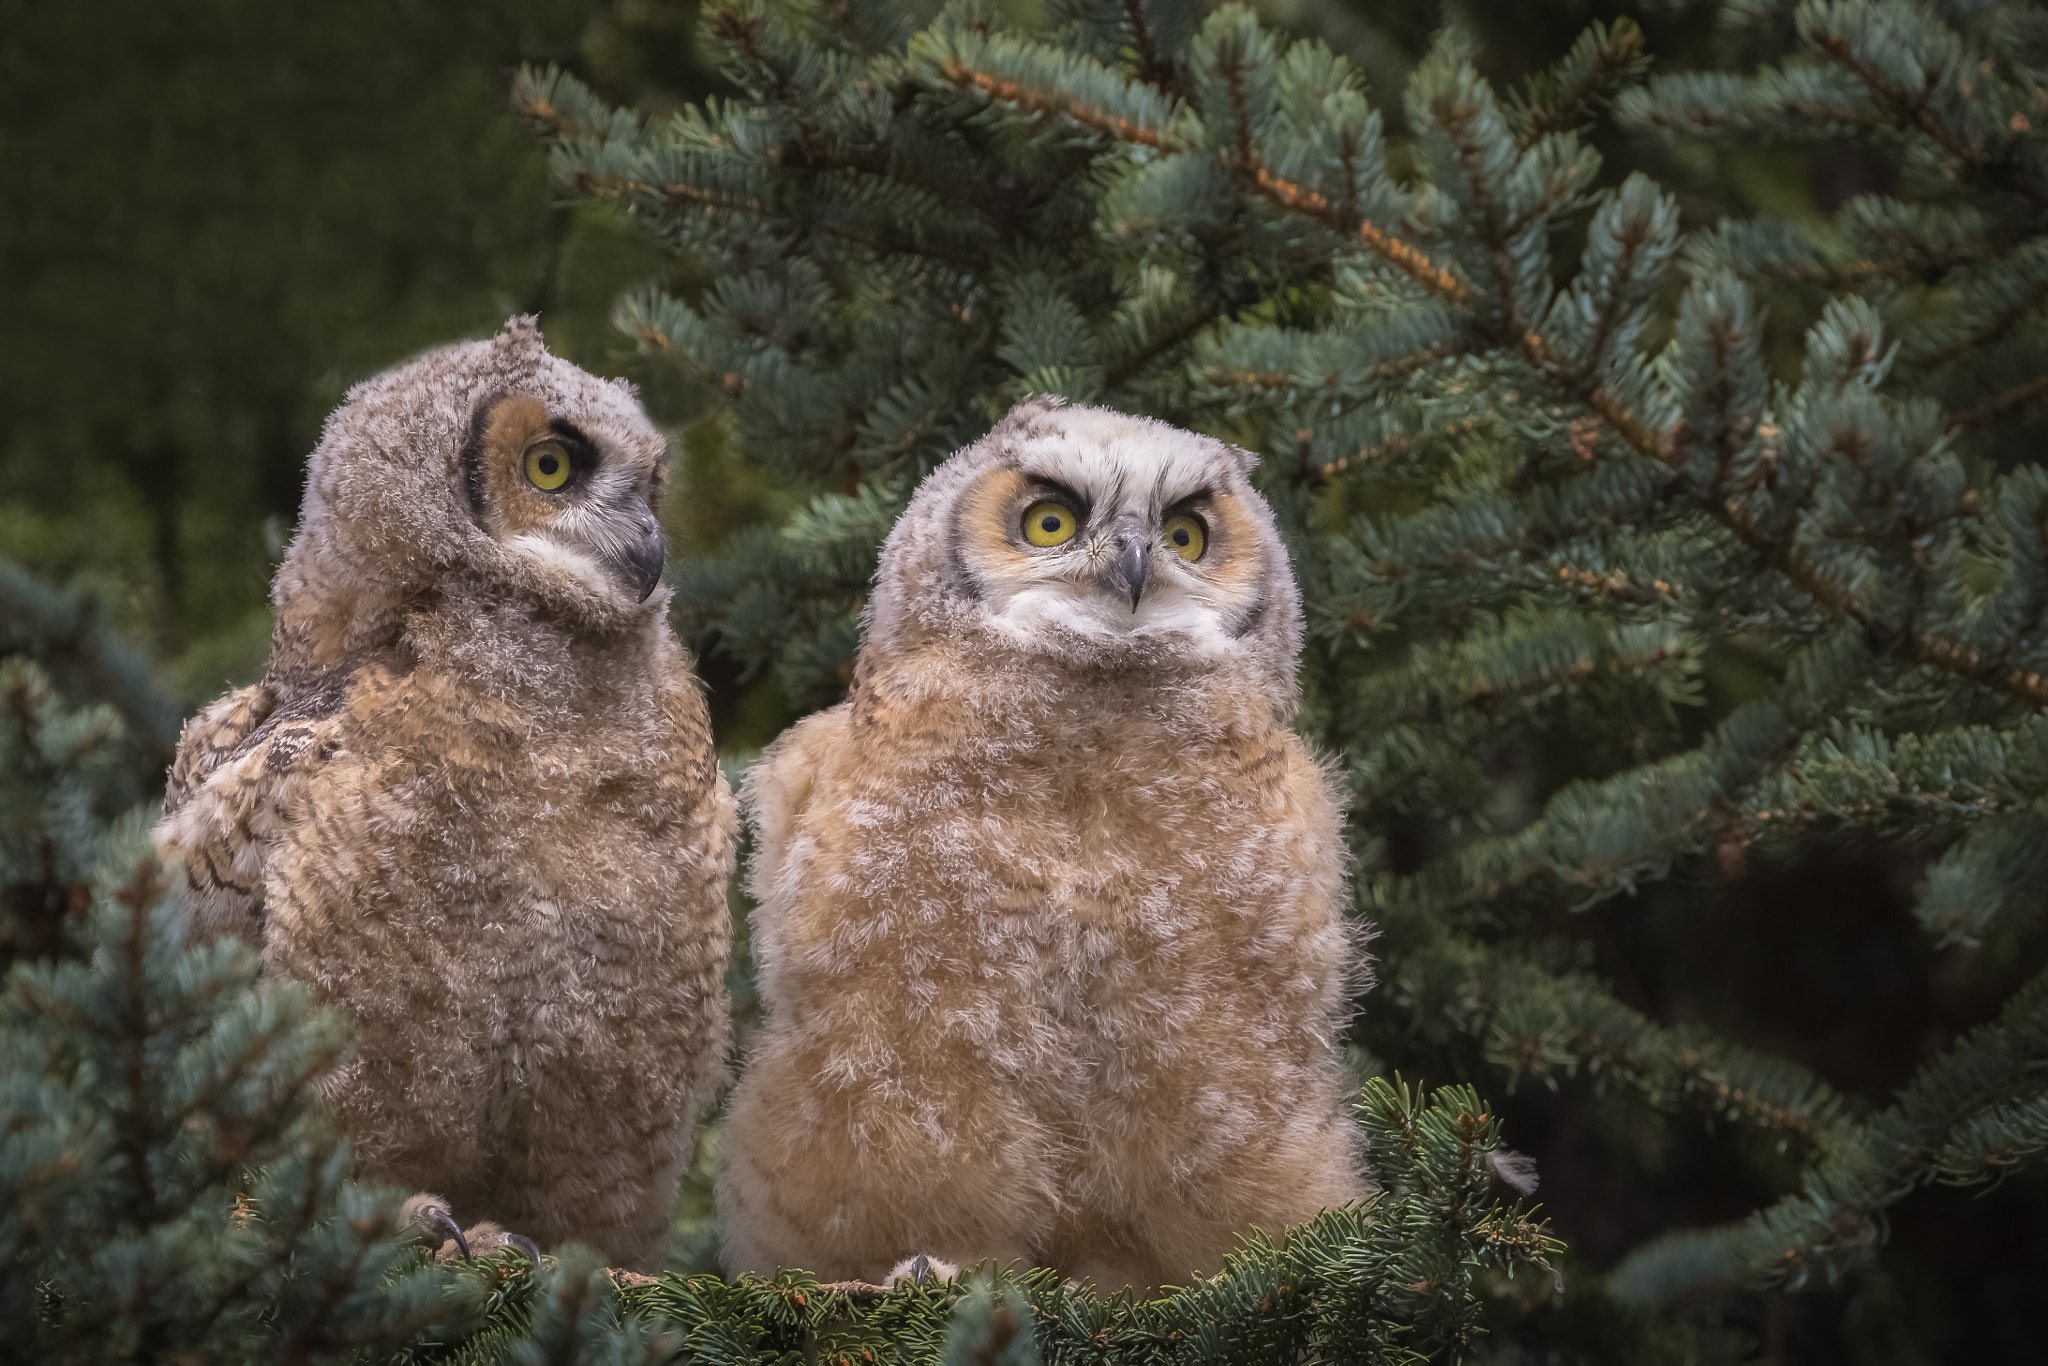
[1050, 932]
[475, 807]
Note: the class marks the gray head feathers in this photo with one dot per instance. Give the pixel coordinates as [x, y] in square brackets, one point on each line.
[391, 512]
[961, 571]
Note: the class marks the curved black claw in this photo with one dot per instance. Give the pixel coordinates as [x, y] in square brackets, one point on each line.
[525, 1245]
[436, 1220]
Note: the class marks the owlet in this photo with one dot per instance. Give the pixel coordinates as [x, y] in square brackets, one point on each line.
[1050, 924]
[473, 803]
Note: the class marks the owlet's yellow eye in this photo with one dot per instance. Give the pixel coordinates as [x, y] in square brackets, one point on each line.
[1187, 536]
[547, 465]
[1049, 524]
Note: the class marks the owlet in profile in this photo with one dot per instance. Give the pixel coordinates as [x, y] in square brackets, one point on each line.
[1050, 926]
[473, 803]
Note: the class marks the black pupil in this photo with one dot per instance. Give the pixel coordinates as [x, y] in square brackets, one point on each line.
[548, 464]
[1180, 535]
[1049, 523]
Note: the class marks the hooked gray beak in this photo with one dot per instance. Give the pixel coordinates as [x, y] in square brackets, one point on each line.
[639, 562]
[1130, 559]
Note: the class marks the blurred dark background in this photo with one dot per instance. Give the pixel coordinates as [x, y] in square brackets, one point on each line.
[224, 212]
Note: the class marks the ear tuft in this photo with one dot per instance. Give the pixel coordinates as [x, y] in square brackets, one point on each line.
[521, 332]
[1247, 461]
[1027, 412]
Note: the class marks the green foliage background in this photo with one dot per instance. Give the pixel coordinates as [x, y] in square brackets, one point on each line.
[225, 213]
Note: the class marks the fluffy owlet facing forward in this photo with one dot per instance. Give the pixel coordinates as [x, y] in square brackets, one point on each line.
[473, 803]
[1050, 930]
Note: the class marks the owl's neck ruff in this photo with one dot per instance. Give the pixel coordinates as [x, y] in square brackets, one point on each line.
[477, 634]
[982, 685]
[1168, 625]
[533, 654]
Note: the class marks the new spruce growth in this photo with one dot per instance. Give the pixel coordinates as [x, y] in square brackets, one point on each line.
[1532, 491]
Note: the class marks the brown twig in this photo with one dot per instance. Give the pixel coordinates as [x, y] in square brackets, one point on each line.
[1999, 402]
[1284, 192]
[1391, 249]
[1011, 92]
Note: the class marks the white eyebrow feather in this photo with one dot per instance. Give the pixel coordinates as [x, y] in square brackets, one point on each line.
[1102, 470]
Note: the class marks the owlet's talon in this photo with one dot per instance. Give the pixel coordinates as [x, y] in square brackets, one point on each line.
[917, 1270]
[487, 1238]
[431, 1216]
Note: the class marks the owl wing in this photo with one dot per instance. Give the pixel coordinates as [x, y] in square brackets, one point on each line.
[236, 761]
[212, 736]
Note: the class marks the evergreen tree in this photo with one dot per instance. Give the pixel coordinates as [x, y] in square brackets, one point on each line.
[166, 1185]
[1642, 545]
[1608, 575]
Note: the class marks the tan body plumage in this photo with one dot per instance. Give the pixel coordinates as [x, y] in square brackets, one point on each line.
[1050, 931]
[474, 804]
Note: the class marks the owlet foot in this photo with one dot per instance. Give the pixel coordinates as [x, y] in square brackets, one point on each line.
[920, 1268]
[437, 1227]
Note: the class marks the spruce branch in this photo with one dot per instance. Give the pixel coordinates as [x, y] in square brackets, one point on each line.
[1834, 28]
[167, 1078]
[1044, 104]
[1126, 364]
[1530, 1021]
[66, 631]
[1465, 118]
[1568, 93]
[1151, 69]
[1834, 1223]
[1724, 335]
[1596, 838]
[1995, 1143]
[2001, 403]
[1411, 262]
[557, 107]
[1039, 103]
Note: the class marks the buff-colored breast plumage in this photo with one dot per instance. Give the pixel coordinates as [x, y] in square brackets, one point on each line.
[474, 802]
[1050, 922]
